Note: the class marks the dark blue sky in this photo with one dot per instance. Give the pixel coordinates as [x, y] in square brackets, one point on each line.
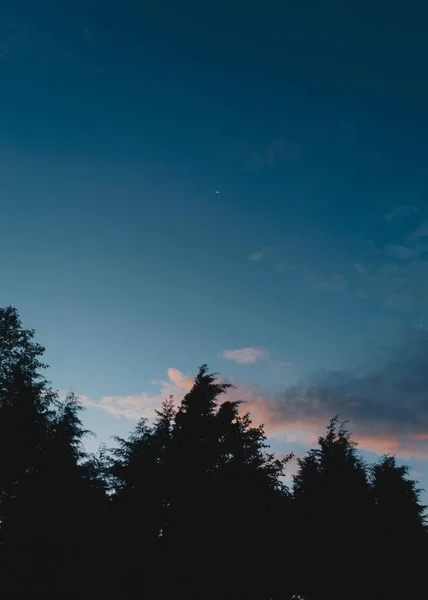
[120, 122]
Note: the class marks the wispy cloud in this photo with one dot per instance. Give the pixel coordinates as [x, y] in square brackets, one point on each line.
[318, 281]
[87, 37]
[143, 405]
[331, 283]
[275, 151]
[15, 49]
[400, 212]
[245, 356]
[401, 285]
[402, 252]
[398, 274]
[386, 401]
[419, 233]
[360, 268]
[259, 255]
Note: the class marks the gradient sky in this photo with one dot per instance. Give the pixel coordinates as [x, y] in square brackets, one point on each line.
[242, 184]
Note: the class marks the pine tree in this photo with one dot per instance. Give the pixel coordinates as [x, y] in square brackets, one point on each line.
[139, 501]
[401, 534]
[26, 402]
[333, 500]
[26, 419]
[227, 498]
[198, 500]
[46, 493]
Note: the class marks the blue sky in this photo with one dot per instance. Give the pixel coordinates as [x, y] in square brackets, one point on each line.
[119, 125]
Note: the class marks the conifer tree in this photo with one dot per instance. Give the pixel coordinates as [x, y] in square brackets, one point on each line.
[400, 534]
[333, 500]
[45, 496]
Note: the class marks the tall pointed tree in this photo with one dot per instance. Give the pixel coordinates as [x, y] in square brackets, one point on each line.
[198, 500]
[400, 530]
[227, 493]
[26, 413]
[26, 401]
[331, 490]
[44, 487]
[140, 502]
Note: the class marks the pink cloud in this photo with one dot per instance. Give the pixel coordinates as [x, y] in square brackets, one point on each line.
[245, 356]
[300, 415]
[307, 430]
[144, 404]
[180, 381]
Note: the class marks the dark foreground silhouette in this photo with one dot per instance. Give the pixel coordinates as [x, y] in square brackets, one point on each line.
[192, 506]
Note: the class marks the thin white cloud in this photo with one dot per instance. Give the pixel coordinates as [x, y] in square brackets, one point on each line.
[331, 283]
[136, 406]
[360, 268]
[386, 406]
[256, 256]
[245, 356]
[402, 252]
[275, 151]
[400, 212]
[87, 36]
[420, 232]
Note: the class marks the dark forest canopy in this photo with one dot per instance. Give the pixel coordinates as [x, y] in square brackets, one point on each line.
[192, 505]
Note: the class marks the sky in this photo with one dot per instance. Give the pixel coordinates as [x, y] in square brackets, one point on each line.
[238, 184]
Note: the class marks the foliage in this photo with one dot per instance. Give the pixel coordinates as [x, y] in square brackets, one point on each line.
[191, 504]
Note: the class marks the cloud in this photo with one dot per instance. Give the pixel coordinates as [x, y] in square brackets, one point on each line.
[141, 405]
[420, 232]
[15, 49]
[360, 268]
[330, 283]
[401, 286]
[275, 151]
[399, 212]
[402, 252]
[87, 37]
[256, 256]
[335, 282]
[245, 356]
[386, 402]
[177, 381]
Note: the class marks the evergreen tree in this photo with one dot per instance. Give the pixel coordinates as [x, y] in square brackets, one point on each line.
[26, 418]
[192, 505]
[331, 491]
[227, 494]
[140, 502]
[51, 517]
[45, 489]
[401, 535]
[198, 500]
[26, 402]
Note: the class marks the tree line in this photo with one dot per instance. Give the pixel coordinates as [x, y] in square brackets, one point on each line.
[192, 505]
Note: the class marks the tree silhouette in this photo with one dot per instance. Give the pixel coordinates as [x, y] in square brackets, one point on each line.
[44, 486]
[201, 473]
[26, 402]
[331, 490]
[26, 421]
[192, 504]
[401, 535]
[223, 480]
[141, 482]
